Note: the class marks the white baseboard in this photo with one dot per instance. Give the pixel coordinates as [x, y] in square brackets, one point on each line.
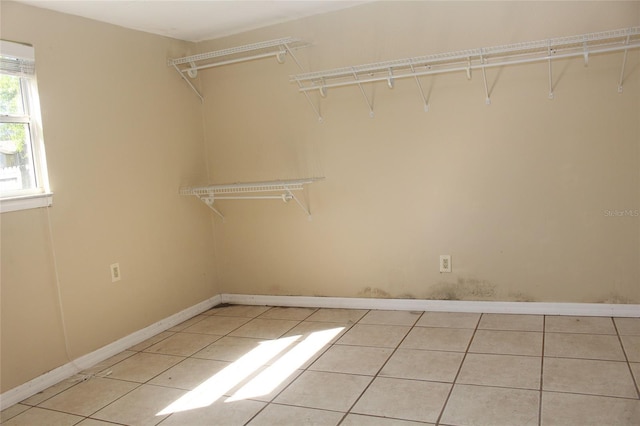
[40, 383]
[52, 377]
[538, 308]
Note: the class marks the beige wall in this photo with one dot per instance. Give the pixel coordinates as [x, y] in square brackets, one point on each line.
[122, 133]
[515, 192]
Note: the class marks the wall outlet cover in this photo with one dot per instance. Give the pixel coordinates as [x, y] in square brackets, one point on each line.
[115, 272]
[445, 263]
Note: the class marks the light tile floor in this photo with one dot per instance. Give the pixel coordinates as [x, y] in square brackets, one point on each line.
[254, 365]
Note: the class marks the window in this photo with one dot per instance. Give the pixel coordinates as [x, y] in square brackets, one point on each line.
[23, 170]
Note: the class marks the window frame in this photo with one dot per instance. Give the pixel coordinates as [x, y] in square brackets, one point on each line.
[40, 195]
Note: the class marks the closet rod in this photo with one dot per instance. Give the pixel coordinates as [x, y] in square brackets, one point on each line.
[277, 54]
[283, 197]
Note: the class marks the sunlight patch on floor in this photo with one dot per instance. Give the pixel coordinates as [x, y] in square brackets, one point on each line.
[265, 382]
[214, 387]
[226, 379]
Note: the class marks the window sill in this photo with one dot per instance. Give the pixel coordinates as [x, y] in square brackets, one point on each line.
[26, 202]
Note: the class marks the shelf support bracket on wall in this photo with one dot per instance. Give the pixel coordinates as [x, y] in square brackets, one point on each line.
[315, 109]
[586, 53]
[295, 59]
[209, 202]
[549, 51]
[424, 99]
[624, 63]
[366, 98]
[288, 50]
[302, 206]
[189, 83]
[487, 99]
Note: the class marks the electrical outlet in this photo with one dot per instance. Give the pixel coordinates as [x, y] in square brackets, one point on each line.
[115, 272]
[445, 263]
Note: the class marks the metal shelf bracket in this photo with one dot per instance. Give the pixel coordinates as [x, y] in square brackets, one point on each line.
[624, 63]
[425, 102]
[366, 98]
[269, 190]
[549, 54]
[484, 78]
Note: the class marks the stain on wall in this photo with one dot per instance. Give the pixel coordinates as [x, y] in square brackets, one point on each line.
[375, 293]
[519, 297]
[463, 289]
[616, 298]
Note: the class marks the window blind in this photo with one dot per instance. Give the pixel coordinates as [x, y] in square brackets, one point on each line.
[17, 59]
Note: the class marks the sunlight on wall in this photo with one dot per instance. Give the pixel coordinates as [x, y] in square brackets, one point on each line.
[213, 388]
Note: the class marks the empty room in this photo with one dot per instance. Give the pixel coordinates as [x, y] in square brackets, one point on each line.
[320, 213]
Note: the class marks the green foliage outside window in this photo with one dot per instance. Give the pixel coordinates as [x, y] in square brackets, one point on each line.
[11, 104]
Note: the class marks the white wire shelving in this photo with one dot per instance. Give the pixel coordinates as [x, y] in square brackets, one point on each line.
[268, 190]
[465, 61]
[278, 48]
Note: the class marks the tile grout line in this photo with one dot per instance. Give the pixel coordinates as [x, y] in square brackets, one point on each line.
[580, 358]
[111, 422]
[375, 376]
[47, 409]
[125, 394]
[597, 395]
[173, 333]
[544, 334]
[172, 329]
[54, 395]
[453, 384]
[268, 403]
[330, 346]
[84, 417]
[626, 357]
[301, 320]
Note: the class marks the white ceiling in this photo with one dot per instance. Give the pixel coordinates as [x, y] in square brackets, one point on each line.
[192, 20]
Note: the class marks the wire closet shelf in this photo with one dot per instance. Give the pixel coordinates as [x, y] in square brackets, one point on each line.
[466, 61]
[267, 190]
[278, 48]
